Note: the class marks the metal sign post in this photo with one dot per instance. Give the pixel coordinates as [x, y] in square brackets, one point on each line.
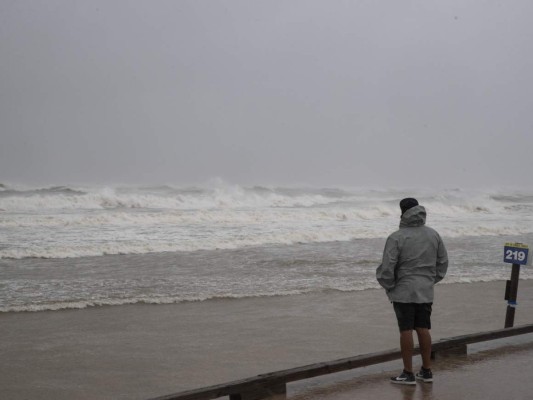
[516, 254]
[511, 294]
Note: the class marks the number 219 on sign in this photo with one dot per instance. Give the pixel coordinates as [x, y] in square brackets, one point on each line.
[515, 253]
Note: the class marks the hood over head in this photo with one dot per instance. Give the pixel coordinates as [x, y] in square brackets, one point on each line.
[415, 216]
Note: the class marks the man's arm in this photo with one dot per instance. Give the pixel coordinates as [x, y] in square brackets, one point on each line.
[442, 261]
[385, 272]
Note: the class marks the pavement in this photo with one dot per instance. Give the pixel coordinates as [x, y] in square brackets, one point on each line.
[143, 351]
[500, 373]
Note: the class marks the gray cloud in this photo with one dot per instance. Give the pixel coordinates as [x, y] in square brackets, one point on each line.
[315, 92]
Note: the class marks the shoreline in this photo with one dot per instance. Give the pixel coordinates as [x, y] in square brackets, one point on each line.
[141, 351]
[133, 302]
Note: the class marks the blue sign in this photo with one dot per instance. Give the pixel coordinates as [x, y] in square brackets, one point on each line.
[516, 253]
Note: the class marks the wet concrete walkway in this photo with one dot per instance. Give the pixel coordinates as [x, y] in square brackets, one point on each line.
[501, 373]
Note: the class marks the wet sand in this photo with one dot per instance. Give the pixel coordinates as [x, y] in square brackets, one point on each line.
[142, 351]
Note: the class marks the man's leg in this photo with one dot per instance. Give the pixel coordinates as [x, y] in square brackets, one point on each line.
[424, 340]
[405, 313]
[406, 346]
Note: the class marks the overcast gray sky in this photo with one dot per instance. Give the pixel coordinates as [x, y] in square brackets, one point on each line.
[267, 92]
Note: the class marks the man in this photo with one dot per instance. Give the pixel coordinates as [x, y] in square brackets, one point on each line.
[414, 260]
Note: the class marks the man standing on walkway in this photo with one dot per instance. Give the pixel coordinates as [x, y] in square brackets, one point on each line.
[414, 260]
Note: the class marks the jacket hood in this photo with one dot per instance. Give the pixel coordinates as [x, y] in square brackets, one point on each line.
[415, 216]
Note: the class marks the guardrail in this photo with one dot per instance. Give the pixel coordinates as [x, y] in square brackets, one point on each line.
[275, 383]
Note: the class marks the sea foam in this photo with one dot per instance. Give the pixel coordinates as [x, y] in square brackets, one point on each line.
[62, 222]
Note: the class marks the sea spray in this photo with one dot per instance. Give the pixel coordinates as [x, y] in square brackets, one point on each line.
[63, 221]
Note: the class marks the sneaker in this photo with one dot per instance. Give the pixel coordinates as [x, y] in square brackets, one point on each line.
[405, 378]
[424, 375]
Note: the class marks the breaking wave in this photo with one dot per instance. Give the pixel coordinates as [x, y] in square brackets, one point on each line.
[67, 221]
[160, 300]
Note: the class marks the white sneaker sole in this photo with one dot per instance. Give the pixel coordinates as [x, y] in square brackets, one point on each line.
[403, 382]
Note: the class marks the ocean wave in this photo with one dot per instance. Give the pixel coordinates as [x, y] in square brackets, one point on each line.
[159, 300]
[51, 191]
[67, 222]
[64, 198]
[219, 217]
[132, 233]
[223, 196]
[165, 300]
[232, 195]
[97, 245]
[216, 242]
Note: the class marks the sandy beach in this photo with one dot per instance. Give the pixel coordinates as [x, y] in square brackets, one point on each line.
[142, 351]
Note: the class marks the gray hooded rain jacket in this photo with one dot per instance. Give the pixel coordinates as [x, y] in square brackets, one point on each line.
[414, 260]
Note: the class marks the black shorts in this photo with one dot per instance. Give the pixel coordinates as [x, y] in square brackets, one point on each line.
[413, 315]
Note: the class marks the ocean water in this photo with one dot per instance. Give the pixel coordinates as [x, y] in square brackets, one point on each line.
[74, 247]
